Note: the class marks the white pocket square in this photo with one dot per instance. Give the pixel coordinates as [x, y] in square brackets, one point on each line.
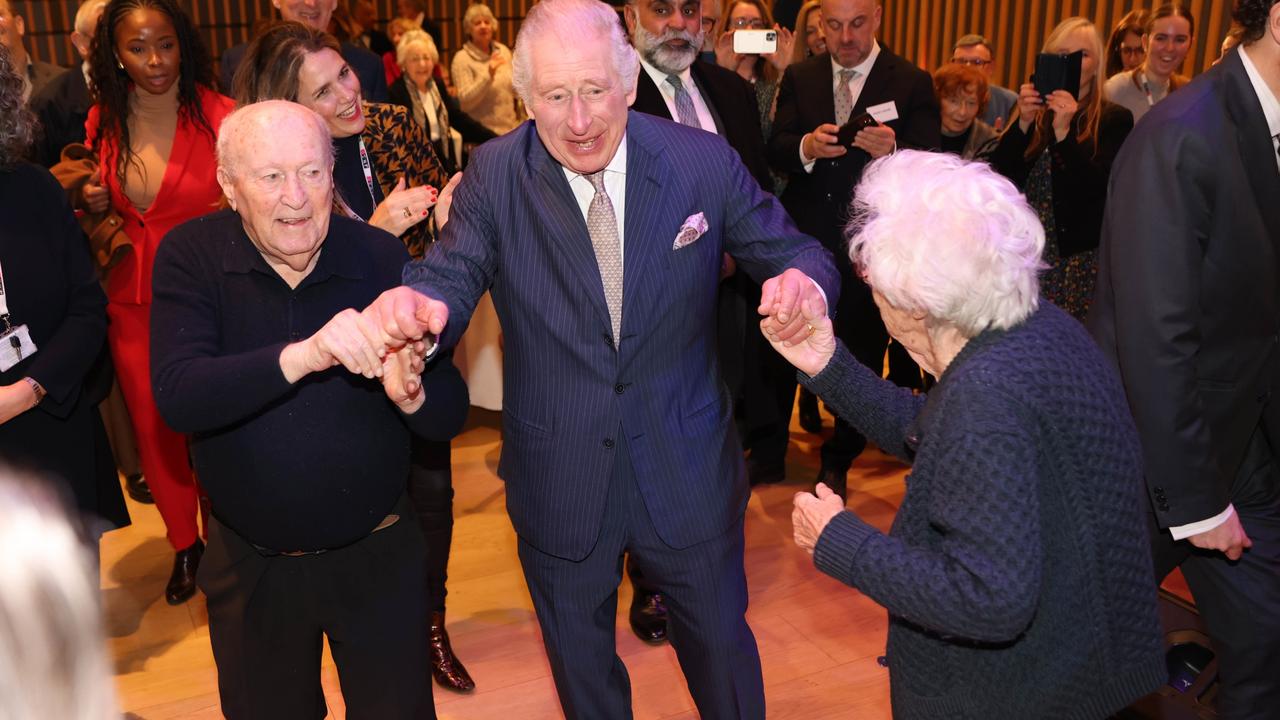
[692, 229]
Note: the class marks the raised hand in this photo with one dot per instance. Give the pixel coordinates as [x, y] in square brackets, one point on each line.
[403, 315]
[780, 302]
[1064, 107]
[781, 58]
[403, 208]
[1030, 105]
[815, 344]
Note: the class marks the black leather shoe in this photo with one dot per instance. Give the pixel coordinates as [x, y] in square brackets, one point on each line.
[837, 480]
[182, 583]
[446, 668]
[649, 617]
[136, 486]
[810, 419]
[765, 473]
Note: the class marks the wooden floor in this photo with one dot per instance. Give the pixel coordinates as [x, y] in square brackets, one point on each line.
[818, 639]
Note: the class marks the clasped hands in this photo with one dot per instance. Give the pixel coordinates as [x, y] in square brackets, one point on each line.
[388, 340]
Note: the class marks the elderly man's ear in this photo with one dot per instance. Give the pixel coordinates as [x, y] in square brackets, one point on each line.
[228, 188]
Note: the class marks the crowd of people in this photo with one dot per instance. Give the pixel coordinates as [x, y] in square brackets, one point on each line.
[1057, 305]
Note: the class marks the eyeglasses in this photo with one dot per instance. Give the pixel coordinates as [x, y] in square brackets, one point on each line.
[975, 62]
[744, 23]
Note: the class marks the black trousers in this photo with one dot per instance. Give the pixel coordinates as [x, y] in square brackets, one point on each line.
[1240, 601]
[268, 616]
[705, 587]
[431, 492]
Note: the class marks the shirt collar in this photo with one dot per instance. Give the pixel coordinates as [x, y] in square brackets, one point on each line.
[660, 78]
[864, 67]
[618, 164]
[1270, 103]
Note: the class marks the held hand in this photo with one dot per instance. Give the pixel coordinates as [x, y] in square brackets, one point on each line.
[403, 208]
[16, 399]
[402, 378]
[1228, 538]
[780, 300]
[811, 514]
[822, 143]
[1064, 109]
[349, 339]
[877, 140]
[445, 201]
[1030, 104]
[781, 58]
[95, 198]
[403, 314]
[812, 350]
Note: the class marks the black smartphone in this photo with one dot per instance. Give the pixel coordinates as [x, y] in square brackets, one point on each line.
[851, 128]
[1057, 72]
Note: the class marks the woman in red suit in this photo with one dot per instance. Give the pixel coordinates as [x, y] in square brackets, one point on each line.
[154, 126]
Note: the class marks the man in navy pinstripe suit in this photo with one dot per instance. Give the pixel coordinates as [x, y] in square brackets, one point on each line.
[617, 432]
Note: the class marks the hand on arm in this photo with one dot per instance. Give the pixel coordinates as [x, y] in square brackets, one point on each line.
[445, 201]
[403, 208]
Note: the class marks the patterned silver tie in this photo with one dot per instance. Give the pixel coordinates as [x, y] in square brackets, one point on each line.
[844, 97]
[684, 104]
[602, 225]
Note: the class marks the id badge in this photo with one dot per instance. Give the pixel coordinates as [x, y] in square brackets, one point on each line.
[15, 346]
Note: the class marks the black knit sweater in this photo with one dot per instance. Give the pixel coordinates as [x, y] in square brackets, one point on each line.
[1017, 573]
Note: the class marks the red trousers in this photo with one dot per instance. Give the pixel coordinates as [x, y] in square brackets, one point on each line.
[162, 451]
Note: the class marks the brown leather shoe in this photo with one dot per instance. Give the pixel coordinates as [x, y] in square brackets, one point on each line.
[446, 668]
[182, 582]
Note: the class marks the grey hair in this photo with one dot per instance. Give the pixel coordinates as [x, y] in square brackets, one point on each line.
[245, 116]
[474, 13]
[53, 660]
[17, 123]
[416, 37]
[948, 237]
[570, 21]
[84, 23]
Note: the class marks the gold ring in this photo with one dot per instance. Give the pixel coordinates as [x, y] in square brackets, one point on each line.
[407, 214]
[812, 329]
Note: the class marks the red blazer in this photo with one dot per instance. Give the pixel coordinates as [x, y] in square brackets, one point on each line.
[189, 189]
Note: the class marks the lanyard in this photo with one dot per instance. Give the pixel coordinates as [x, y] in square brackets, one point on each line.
[1146, 87]
[368, 176]
[4, 304]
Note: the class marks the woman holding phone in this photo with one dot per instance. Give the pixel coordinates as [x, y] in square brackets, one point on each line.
[1058, 150]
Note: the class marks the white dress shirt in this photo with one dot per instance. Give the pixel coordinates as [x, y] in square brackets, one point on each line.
[705, 118]
[856, 83]
[615, 184]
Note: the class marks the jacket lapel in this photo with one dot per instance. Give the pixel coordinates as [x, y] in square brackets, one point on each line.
[549, 195]
[873, 90]
[649, 98]
[1254, 138]
[643, 241]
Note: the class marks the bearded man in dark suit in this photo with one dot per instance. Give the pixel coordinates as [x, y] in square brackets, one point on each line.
[1188, 306]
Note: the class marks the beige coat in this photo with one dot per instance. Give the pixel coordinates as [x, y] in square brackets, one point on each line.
[489, 99]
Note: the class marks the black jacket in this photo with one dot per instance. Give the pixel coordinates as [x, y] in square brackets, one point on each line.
[62, 107]
[470, 129]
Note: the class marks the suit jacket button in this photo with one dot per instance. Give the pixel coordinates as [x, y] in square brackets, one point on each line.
[1159, 490]
[608, 443]
[619, 388]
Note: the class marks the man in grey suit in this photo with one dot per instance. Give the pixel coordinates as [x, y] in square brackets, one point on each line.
[600, 233]
[1188, 305]
[35, 73]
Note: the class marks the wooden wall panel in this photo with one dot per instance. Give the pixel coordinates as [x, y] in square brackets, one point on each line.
[922, 30]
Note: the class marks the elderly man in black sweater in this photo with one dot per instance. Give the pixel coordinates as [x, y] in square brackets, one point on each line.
[257, 352]
[1017, 574]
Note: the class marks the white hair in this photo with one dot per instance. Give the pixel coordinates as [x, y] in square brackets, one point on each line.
[412, 38]
[87, 16]
[474, 13]
[53, 661]
[571, 21]
[951, 238]
[245, 116]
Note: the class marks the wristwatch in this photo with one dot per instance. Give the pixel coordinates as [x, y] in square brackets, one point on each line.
[37, 389]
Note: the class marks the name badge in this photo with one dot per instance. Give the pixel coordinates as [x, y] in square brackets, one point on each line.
[884, 112]
[15, 346]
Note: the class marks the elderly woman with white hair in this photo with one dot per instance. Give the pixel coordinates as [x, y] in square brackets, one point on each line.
[482, 73]
[1017, 571]
[424, 95]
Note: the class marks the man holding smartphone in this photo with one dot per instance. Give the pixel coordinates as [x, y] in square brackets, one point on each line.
[819, 96]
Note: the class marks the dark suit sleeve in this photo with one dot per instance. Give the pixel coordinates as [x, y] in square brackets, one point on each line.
[63, 360]
[761, 236]
[784, 144]
[1155, 264]
[921, 125]
[460, 267]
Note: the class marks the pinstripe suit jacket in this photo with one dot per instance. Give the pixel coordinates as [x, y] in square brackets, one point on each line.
[516, 228]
